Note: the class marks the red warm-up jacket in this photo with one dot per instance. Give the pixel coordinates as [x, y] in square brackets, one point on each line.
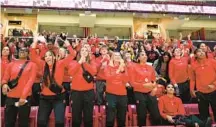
[203, 73]
[26, 80]
[171, 106]
[179, 70]
[140, 75]
[115, 82]
[59, 69]
[78, 81]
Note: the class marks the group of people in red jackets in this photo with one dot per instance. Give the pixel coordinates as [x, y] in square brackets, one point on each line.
[73, 71]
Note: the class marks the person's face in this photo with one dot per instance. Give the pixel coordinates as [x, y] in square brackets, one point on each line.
[148, 47]
[62, 52]
[5, 51]
[88, 47]
[49, 58]
[166, 58]
[103, 51]
[200, 54]
[49, 45]
[117, 57]
[23, 53]
[127, 56]
[142, 57]
[170, 89]
[177, 52]
[203, 47]
[84, 52]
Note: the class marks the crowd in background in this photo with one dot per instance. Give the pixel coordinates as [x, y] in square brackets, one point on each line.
[88, 71]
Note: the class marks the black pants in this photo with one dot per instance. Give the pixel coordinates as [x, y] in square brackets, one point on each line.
[144, 103]
[203, 103]
[185, 92]
[67, 87]
[100, 89]
[47, 103]
[116, 104]
[11, 113]
[130, 95]
[188, 121]
[3, 98]
[82, 103]
[36, 89]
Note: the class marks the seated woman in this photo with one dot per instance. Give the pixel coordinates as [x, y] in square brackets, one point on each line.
[173, 113]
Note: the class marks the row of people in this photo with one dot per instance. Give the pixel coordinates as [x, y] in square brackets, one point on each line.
[114, 71]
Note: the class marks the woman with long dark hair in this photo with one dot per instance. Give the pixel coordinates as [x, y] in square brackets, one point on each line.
[161, 66]
[203, 77]
[6, 58]
[143, 82]
[179, 75]
[82, 90]
[52, 93]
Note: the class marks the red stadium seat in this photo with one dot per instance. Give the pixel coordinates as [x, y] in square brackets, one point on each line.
[33, 116]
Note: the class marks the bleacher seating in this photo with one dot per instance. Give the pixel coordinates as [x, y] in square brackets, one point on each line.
[99, 116]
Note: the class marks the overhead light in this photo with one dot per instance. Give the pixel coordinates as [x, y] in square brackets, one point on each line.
[176, 18]
[187, 18]
[209, 16]
[164, 14]
[15, 18]
[151, 23]
[5, 9]
[134, 14]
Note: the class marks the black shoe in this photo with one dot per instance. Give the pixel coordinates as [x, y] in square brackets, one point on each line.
[208, 122]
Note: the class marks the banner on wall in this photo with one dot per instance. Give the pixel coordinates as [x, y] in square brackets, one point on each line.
[114, 6]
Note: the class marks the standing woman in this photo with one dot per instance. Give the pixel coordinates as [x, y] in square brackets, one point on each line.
[17, 82]
[82, 94]
[179, 75]
[143, 82]
[161, 66]
[203, 73]
[52, 94]
[116, 94]
[6, 58]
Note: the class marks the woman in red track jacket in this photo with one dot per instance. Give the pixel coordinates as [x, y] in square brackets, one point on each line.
[179, 75]
[53, 93]
[203, 74]
[82, 95]
[143, 82]
[171, 110]
[6, 58]
[116, 78]
[21, 92]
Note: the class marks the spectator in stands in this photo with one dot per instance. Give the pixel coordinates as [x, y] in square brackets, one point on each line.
[100, 82]
[151, 53]
[143, 82]
[173, 113]
[161, 66]
[17, 86]
[204, 47]
[116, 78]
[129, 65]
[52, 93]
[82, 96]
[6, 58]
[179, 75]
[203, 75]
